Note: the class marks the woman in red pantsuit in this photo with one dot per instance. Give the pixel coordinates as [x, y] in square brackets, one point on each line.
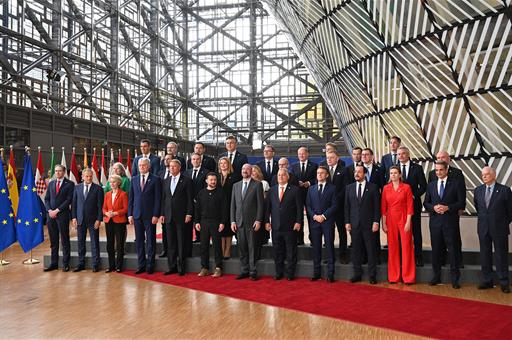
[397, 210]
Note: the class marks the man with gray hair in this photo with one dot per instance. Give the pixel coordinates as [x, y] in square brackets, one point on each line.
[284, 164]
[493, 203]
[172, 150]
[246, 218]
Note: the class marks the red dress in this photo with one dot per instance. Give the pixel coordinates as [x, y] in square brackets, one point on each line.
[396, 205]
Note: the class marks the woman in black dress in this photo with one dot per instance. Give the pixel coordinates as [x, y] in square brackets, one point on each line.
[225, 181]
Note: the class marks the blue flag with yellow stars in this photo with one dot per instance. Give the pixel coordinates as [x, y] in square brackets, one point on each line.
[7, 231]
[29, 218]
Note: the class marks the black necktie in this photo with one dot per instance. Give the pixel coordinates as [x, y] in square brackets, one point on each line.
[231, 158]
[166, 174]
[404, 172]
[143, 181]
[360, 192]
[86, 191]
[303, 168]
[269, 171]
[320, 188]
[394, 159]
[194, 176]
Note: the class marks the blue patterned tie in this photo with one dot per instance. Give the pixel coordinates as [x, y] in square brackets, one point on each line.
[441, 190]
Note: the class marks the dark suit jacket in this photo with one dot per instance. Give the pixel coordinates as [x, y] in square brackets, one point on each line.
[349, 174]
[377, 176]
[416, 179]
[245, 211]
[339, 183]
[200, 181]
[145, 204]
[283, 214]
[454, 197]
[263, 166]
[180, 204]
[207, 163]
[182, 161]
[63, 200]
[387, 161]
[496, 219]
[238, 162]
[153, 160]
[453, 173]
[340, 161]
[365, 213]
[90, 209]
[324, 204]
[292, 180]
[310, 175]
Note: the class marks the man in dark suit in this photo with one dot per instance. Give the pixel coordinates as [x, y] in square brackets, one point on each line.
[443, 200]
[143, 212]
[331, 147]
[284, 164]
[337, 177]
[247, 208]
[165, 172]
[321, 205]
[268, 164]
[283, 215]
[145, 149]
[57, 201]
[236, 158]
[391, 158]
[305, 171]
[349, 170]
[493, 203]
[362, 217]
[176, 215]
[207, 162]
[87, 214]
[172, 150]
[413, 175]
[453, 173]
[198, 176]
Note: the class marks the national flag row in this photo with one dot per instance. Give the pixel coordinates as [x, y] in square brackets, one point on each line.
[22, 211]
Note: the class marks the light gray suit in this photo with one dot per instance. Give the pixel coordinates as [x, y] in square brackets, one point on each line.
[244, 212]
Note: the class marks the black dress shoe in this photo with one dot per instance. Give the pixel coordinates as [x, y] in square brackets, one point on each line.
[181, 273]
[315, 278]
[225, 258]
[109, 270]
[242, 276]
[373, 281]
[162, 254]
[505, 289]
[50, 268]
[330, 278]
[119, 270]
[172, 271]
[485, 285]
[434, 282]
[290, 277]
[419, 262]
[278, 277]
[65, 269]
[344, 260]
[355, 279]
[456, 285]
[95, 269]
[254, 277]
[300, 243]
[78, 269]
[140, 271]
[151, 271]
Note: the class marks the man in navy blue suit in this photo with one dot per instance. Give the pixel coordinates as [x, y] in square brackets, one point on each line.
[57, 201]
[362, 217]
[283, 215]
[207, 162]
[443, 200]
[391, 158]
[321, 204]
[268, 164]
[236, 158]
[143, 212]
[145, 149]
[493, 203]
[87, 214]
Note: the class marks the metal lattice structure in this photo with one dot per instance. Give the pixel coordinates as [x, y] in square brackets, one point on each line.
[437, 73]
[192, 70]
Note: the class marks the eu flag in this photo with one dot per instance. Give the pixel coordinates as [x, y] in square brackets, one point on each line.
[7, 231]
[29, 219]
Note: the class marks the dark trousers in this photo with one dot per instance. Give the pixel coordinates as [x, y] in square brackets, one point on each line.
[438, 234]
[247, 245]
[179, 234]
[458, 245]
[316, 239]
[342, 233]
[501, 256]
[56, 227]
[416, 233]
[116, 238]
[94, 236]
[145, 237]
[188, 235]
[363, 239]
[164, 239]
[285, 246]
[210, 229]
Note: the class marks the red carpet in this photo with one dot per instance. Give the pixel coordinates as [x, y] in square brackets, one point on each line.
[417, 313]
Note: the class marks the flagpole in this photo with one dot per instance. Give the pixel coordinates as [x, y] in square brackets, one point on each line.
[30, 260]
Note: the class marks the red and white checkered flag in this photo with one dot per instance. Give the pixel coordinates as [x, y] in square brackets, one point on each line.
[40, 182]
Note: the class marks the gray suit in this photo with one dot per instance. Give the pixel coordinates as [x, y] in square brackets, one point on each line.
[244, 212]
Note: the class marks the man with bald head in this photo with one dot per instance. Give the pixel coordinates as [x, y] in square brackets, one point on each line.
[493, 203]
[454, 174]
[172, 150]
[284, 164]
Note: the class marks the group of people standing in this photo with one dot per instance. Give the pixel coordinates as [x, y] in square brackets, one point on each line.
[254, 203]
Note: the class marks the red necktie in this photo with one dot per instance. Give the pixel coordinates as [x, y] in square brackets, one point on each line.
[58, 187]
[281, 194]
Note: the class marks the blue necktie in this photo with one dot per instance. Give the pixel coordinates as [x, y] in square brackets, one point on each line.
[488, 194]
[441, 190]
[173, 185]
[244, 189]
